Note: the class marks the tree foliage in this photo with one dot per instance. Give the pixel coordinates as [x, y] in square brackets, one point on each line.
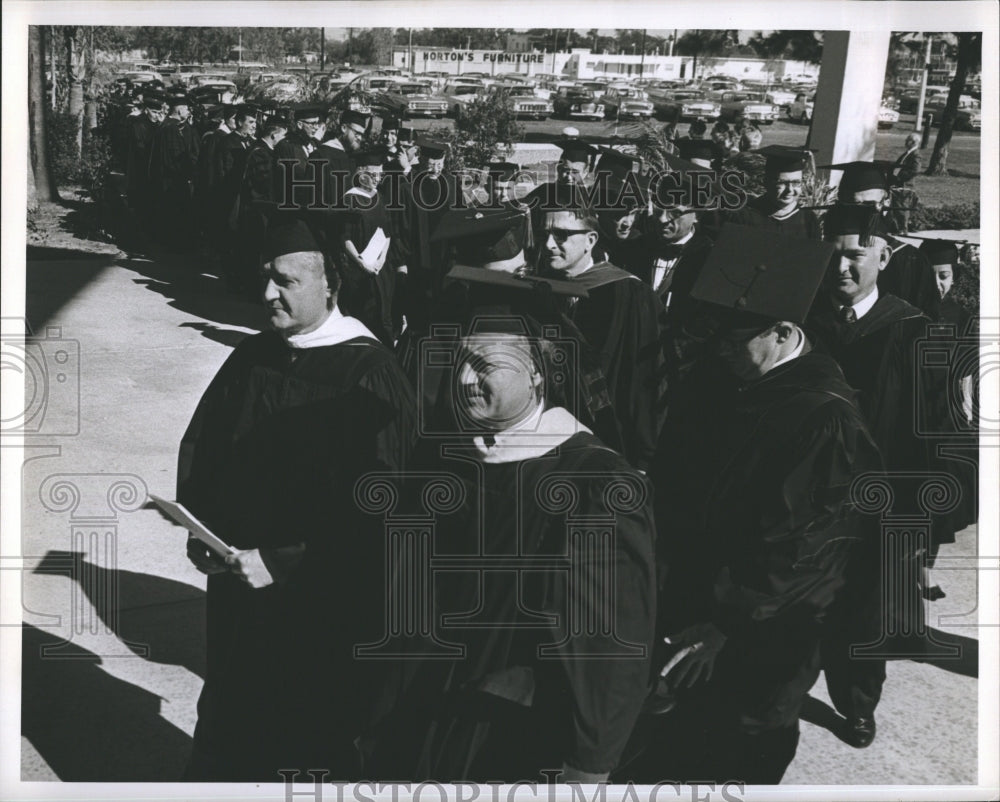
[485, 131]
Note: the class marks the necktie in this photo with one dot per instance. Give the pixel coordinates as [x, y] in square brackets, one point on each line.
[848, 315]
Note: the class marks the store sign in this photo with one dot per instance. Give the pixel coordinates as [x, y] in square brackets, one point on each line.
[483, 57]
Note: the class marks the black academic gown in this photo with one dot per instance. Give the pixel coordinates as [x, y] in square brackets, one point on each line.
[755, 525]
[802, 223]
[207, 181]
[139, 138]
[526, 695]
[270, 461]
[673, 294]
[364, 295]
[172, 171]
[900, 399]
[619, 320]
[909, 276]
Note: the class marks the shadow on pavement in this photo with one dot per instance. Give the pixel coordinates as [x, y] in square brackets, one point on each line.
[966, 663]
[187, 287]
[90, 726]
[53, 277]
[159, 619]
[229, 337]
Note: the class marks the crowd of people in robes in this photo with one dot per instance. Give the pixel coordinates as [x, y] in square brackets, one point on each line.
[565, 479]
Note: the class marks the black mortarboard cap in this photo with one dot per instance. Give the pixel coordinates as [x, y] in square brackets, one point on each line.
[406, 135]
[483, 235]
[575, 149]
[287, 233]
[307, 111]
[861, 176]
[390, 123]
[940, 251]
[502, 171]
[371, 157]
[616, 163]
[432, 148]
[505, 289]
[862, 219]
[178, 100]
[697, 149]
[761, 274]
[784, 159]
[620, 193]
[152, 100]
[353, 117]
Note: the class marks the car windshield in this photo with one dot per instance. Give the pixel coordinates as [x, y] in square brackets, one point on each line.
[412, 89]
[464, 89]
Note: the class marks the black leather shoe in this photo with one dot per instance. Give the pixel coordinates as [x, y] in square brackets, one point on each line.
[860, 732]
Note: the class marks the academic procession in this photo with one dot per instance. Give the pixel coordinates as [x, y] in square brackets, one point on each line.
[592, 473]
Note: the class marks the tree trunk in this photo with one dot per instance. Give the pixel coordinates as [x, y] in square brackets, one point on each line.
[74, 86]
[939, 158]
[45, 185]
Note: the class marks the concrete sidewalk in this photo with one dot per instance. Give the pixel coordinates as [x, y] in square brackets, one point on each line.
[108, 584]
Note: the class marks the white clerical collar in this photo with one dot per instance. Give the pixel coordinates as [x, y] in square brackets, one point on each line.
[535, 436]
[863, 307]
[337, 328]
[684, 239]
[574, 272]
[796, 353]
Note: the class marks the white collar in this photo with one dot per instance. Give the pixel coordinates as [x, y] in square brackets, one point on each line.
[785, 215]
[863, 307]
[224, 127]
[337, 328]
[685, 238]
[533, 437]
[796, 353]
[335, 143]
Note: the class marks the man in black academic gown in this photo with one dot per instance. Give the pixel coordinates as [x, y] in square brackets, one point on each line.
[618, 318]
[172, 171]
[338, 152]
[778, 209]
[139, 144]
[754, 520]
[573, 168]
[873, 336]
[431, 192]
[207, 181]
[514, 687]
[908, 275]
[269, 462]
[621, 196]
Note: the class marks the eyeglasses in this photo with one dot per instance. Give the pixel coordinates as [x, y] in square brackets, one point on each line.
[563, 234]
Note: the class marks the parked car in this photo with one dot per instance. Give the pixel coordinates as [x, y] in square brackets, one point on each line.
[524, 103]
[969, 111]
[597, 87]
[780, 96]
[621, 102]
[909, 100]
[684, 104]
[135, 78]
[456, 95]
[412, 99]
[740, 106]
[887, 117]
[215, 93]
[574, 103]
[801, 108]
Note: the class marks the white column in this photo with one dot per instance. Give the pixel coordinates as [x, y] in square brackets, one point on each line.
[848, 96]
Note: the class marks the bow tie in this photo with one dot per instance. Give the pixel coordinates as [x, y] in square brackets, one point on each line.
[669, 251]
[848, 315]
